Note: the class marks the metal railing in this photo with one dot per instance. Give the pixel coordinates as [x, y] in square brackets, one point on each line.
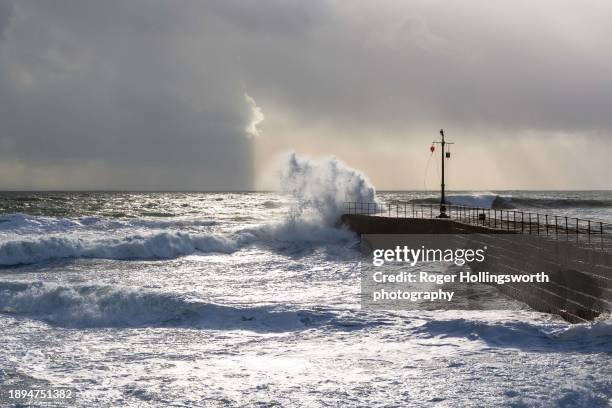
[592, 233]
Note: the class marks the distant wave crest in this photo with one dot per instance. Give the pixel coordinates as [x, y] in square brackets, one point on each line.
[27, 224]
[561, 202]
[495, 201]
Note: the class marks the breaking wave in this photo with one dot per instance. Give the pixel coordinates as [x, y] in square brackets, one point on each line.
[524, 334]
[290, 236]
[495, 201]
[561, 202]
[163, 245]
[485, 200]
[89, 306]
[477, 200]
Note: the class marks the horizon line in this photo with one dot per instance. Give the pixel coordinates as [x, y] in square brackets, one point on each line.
[277, 191]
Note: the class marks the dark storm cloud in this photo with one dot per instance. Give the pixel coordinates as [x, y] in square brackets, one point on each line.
[132, 85]
[6, 11]
[510, 66]
[135, 85]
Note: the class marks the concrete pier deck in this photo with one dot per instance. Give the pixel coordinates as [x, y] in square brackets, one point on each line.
[580, 270]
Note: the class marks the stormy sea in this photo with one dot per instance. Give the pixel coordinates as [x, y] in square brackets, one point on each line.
[233, 299]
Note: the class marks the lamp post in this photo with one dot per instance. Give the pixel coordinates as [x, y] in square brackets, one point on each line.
[443, 143]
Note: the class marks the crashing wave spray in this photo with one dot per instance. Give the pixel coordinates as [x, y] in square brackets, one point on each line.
[322, 186]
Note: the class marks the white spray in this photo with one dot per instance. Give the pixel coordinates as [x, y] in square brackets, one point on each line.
[322, 186]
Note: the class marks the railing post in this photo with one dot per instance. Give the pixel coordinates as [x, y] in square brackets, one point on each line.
[589, 231]
[514, 221]
[601, 233]
[556, 227]
[566, 230]
[529, 223]
[577, 230]
[538, 222]
[546, 224]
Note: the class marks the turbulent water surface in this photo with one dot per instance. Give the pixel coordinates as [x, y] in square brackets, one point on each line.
[233, 299]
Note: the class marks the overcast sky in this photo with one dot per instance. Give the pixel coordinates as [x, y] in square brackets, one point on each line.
[158, 94]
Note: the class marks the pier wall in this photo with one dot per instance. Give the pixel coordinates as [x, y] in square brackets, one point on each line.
[581, 278]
